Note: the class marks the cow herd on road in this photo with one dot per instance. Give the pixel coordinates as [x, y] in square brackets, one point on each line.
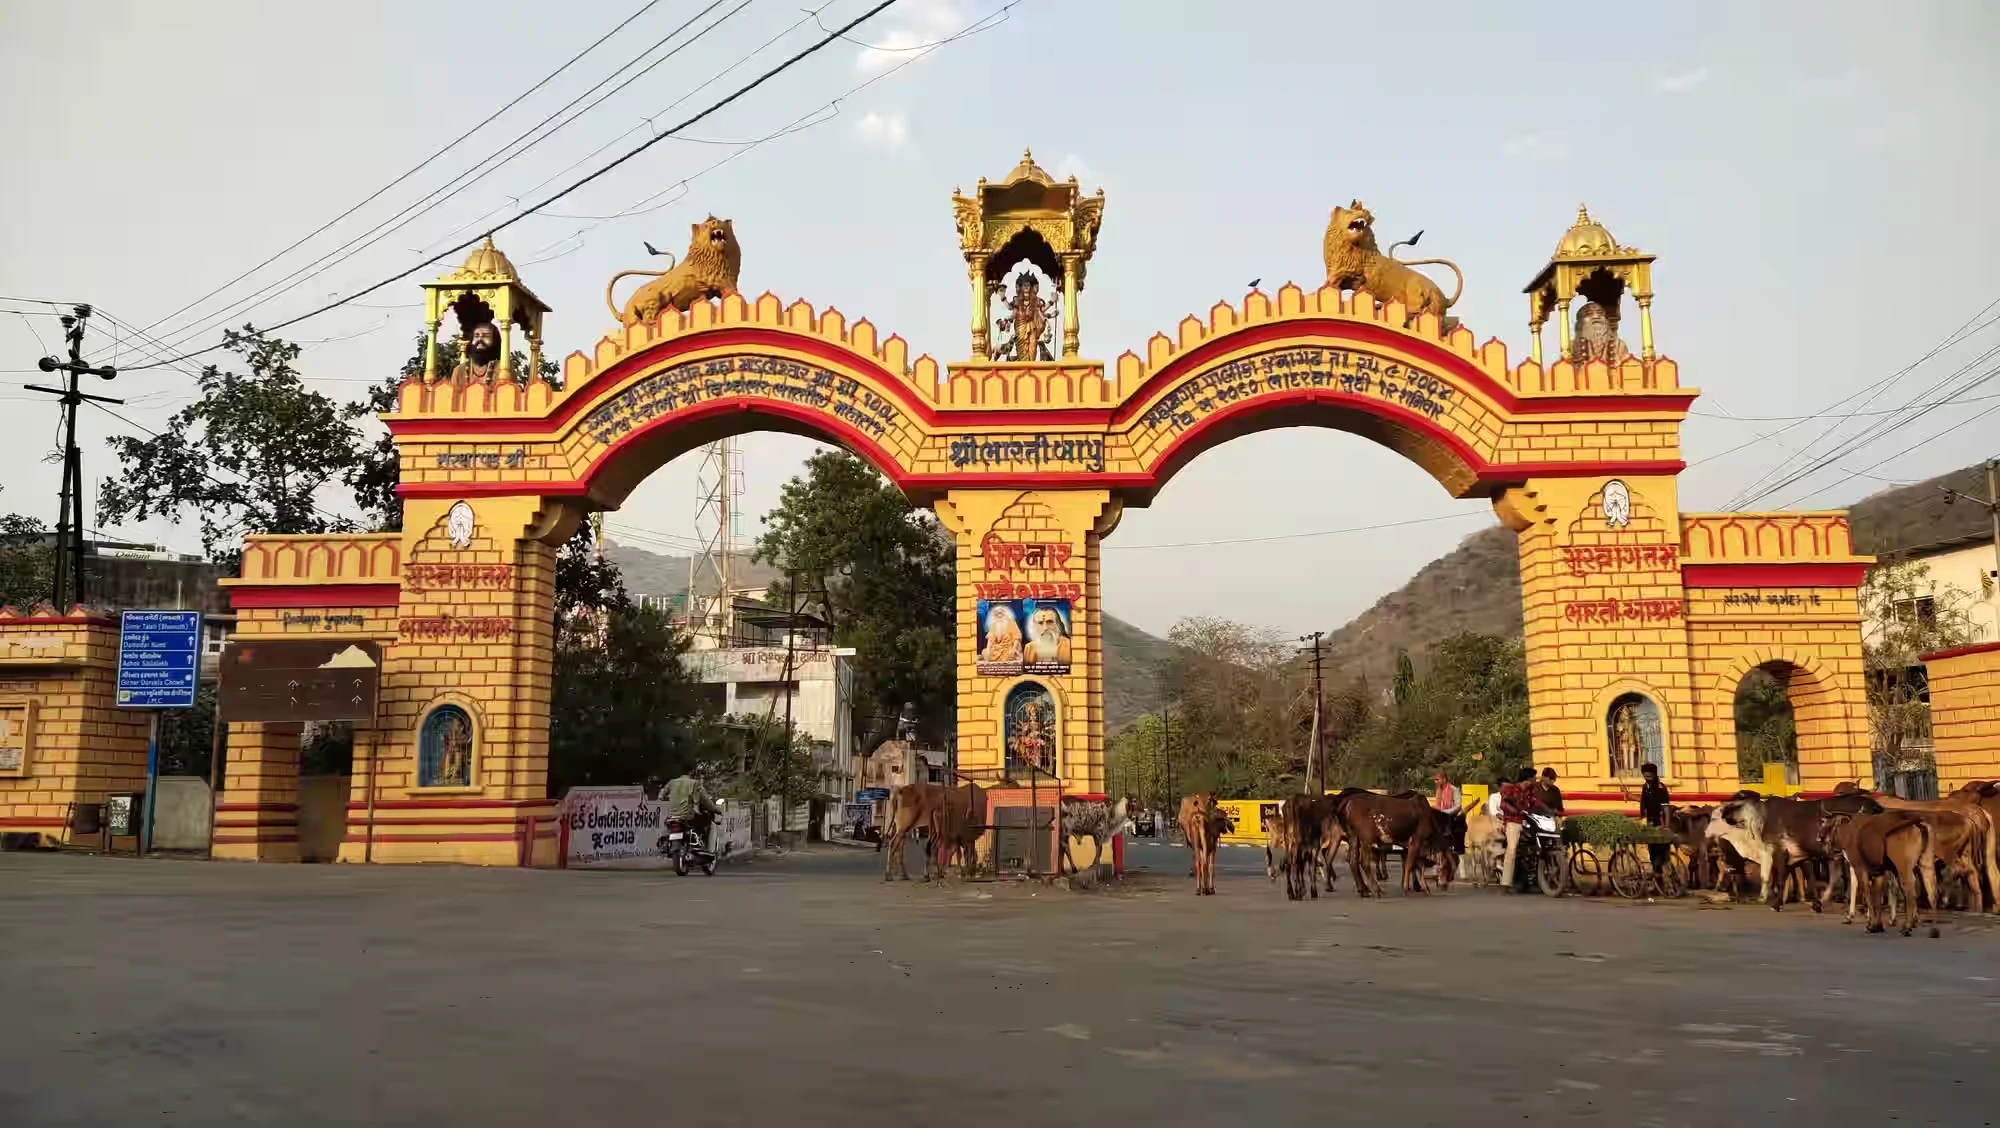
[1943, 851]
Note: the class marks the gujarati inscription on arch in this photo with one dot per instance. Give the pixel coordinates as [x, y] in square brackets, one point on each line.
[1286, 370]
[761, 377]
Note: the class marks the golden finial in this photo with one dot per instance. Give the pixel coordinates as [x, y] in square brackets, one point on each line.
[1582, 215]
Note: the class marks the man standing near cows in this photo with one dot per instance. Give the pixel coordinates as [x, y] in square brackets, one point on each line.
[1653, 803]
[1517, 798]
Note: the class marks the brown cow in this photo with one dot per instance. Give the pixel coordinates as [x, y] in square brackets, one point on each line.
[961, 822]
[1203, 824]
[1960, 831]
[911, 806]
[1875, 846]
[1309, 834]
[1376, 822]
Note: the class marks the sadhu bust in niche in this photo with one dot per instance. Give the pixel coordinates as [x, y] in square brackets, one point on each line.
[479, 358]
[1596, 337]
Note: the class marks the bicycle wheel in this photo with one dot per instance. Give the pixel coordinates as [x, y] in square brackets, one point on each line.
[1628, 875]
[1549, 873]
[1673, 878]
[1586, 873]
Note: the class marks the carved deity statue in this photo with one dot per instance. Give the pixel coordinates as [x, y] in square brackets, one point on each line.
[1029, 318]
[1596, 337]
[479, 361]
[1627, 751]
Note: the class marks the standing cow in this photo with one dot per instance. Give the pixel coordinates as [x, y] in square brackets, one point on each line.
[1203, 823]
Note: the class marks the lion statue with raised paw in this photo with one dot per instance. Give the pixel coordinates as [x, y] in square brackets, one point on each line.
[1354, 261]
[707, 271]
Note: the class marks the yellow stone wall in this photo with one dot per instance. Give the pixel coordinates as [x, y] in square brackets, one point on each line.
[980, 520]
[1965, 714]
[58, 674]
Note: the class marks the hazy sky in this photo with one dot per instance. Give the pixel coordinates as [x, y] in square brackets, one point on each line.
[1816, 177]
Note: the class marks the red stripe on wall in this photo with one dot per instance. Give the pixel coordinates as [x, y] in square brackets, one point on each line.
[1958, 652]
[448, 804]
[1773, 575]
[381, 838]
[387, 593]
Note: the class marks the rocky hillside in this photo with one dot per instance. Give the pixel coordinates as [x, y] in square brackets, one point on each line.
[1475, 587]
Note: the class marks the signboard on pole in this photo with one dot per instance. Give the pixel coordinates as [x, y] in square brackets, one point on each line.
[300, 679]
[159, 659]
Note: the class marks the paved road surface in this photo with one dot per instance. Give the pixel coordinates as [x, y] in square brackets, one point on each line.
[803, 990]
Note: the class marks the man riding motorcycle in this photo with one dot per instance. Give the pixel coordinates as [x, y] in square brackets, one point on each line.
[688, 801]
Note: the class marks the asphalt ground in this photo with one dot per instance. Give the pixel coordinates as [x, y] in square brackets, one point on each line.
[175, 992]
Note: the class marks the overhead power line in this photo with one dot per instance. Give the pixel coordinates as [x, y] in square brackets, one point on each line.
[719, 104]
[418, 167]
[533, 136]
[1971, 327]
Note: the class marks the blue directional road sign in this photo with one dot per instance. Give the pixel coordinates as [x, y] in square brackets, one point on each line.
[159, 659]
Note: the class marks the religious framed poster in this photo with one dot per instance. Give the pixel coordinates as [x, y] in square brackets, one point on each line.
[1023, 636]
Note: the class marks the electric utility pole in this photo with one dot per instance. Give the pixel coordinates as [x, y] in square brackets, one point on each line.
[1991, 503]
[68, 587]
[1316, 746]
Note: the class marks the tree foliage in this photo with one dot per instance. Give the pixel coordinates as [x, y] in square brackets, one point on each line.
[748, 757]
[1463, 709]
[1765, 730]
[1906, 614]
[625, 709]
[1242, 718]
[884, 573]
[27, 562]
[250, 455]
[1243, 703]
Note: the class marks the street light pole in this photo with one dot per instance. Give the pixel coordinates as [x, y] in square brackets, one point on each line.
[68, 586]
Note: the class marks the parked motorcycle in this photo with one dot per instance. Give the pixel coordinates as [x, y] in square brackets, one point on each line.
[1543, 852]
[682, 844]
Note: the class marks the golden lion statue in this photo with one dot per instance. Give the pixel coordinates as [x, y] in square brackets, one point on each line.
[1354, 262]
[707, 271]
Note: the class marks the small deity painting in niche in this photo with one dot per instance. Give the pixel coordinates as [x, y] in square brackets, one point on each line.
[1633, 730]
[1617, 504]
[1031, 729]
[444, 749]
[1030, 317]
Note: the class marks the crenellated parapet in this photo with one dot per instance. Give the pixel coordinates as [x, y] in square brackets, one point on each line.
[1762, 538]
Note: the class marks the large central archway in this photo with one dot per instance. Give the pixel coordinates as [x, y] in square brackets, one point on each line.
[1030, 463]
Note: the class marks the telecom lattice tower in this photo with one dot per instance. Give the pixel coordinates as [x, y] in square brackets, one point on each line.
[711, 578]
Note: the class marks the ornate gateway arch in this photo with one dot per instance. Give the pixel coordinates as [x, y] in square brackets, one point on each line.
[1635, 614]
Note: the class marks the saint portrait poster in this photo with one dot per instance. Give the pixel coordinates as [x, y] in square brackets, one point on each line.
[1023, 636]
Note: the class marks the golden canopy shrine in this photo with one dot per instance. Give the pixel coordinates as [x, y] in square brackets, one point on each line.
[1640, 620]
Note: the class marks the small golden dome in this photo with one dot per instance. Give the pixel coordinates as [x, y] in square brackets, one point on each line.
[1028, 170]
[1586, 237]
[487, 261]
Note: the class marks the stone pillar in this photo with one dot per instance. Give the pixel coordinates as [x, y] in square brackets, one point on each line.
[1599, 625]
[257, 818]
[976, 266]
[1015, 546]
[476, 631]
[1070, 265]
